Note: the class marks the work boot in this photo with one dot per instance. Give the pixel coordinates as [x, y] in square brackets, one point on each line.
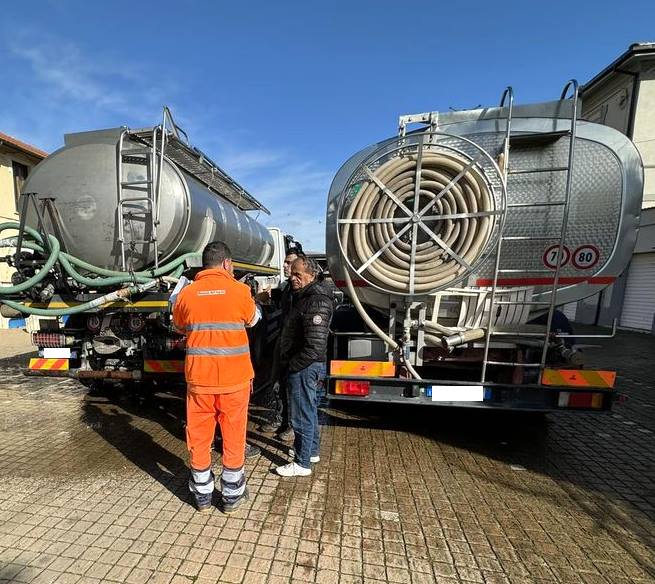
[232, 506]
[252, 451]
[202, 480]
[269, 428]
[203, 501]
[293, 470]
[287, 435]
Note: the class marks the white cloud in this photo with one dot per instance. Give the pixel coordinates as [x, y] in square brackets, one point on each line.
[296, 195]
[71, 90]
[72, 77]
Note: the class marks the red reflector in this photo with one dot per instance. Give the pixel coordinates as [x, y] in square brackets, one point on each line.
[580, 400]
[49, 340]
[344, 387]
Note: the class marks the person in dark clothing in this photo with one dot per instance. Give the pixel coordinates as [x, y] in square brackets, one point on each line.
[280, 421]
[303, 347]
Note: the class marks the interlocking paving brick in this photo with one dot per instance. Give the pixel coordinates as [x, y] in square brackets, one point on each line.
[93, 489]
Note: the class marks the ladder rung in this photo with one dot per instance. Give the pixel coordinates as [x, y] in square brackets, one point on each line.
[536, 170]
[136, 151]
[537, 204]
[512, 364]
[131, 183]
[135, 200]
[518, 271]
[139, 241]
[522, 303]
[135, 160]
[517, 334]
[529, 238]
[136, 213]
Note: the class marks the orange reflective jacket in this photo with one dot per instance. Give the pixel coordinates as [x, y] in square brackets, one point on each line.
[213, 312]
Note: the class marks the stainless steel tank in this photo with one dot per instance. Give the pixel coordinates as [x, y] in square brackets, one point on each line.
[603, 212]
[82, 177]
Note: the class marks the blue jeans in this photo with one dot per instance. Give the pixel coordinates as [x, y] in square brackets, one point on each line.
[304, 387]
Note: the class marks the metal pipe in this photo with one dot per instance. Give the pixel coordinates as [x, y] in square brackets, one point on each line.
[567, 199]
[462, 338]
[508, 95]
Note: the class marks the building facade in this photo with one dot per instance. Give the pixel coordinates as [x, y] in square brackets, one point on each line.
[16, 161]
[623, 96]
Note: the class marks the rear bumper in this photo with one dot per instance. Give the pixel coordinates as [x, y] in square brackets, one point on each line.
[85, 374]
[495, 396]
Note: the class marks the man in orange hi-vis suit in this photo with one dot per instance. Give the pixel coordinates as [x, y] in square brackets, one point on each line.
[213, 312]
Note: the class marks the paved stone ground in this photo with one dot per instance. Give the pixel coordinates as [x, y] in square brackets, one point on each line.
[93, 489]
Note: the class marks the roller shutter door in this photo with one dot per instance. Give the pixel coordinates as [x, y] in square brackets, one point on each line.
[639, 302]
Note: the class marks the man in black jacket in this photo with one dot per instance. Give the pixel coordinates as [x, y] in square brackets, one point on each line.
[303, 345]
[280, 422]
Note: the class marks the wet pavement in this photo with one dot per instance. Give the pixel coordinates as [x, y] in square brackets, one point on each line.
[93, 489]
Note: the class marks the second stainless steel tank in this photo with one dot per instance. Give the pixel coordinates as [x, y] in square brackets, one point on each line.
[82, 177]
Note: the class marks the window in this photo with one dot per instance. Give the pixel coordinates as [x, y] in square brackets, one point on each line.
[20, 175]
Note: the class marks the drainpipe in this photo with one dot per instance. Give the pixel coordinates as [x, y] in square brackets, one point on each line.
[633, 100]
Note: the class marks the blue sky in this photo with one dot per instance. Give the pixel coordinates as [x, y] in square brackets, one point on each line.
[281, 93]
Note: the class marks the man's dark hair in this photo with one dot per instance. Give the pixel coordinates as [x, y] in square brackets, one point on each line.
[215, 253]
[311, 265]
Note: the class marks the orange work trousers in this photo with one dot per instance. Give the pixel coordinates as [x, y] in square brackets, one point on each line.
[203, 411]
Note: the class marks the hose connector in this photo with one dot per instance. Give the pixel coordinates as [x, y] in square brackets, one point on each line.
[462, 338]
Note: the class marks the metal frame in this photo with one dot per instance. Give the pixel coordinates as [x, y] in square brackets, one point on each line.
[551, 303]
[508, 96]
[46, 210]
[152, 156]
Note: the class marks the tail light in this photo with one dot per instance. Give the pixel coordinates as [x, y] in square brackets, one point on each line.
[583, 399]
[52, 340]
[349, 387]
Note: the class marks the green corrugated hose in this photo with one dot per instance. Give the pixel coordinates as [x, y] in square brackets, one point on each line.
[69, 263]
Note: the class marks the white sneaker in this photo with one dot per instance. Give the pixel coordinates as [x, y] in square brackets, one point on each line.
[293, 470]
[312, 459]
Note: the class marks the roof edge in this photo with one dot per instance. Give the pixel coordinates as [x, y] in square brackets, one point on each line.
[633, 50]
[23, 146]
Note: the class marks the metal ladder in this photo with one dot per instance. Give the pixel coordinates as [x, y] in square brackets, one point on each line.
[147, 202]
[559, 241]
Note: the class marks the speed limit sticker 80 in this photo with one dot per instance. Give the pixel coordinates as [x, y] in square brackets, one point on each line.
[585, 257]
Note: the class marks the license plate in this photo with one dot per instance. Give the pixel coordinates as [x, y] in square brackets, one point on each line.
[457, 393]
[57, 353]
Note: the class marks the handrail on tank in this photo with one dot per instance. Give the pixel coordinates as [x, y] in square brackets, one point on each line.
[176, 130]
[571, 83]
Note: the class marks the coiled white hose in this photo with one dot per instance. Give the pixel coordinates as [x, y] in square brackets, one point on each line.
[453, 216]
[447, 241]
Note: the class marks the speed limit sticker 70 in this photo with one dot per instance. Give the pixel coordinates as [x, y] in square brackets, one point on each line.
[585, 257]
[551, 254]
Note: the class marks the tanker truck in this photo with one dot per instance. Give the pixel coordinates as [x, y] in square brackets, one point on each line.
[108, 225]
[455, 243]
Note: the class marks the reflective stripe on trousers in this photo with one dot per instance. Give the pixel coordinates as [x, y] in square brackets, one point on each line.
[201, 481]
[233, 484]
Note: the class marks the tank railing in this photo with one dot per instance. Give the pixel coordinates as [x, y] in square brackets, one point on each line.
[149, 197]
[175, 129]
[507, 100]
[615, 326]
[119, 191]
[567, 205]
